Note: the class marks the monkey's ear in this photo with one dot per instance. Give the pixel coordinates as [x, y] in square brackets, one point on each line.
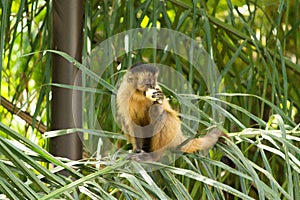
[130, 77]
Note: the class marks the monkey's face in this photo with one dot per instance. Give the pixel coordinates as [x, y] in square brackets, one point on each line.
[143, 77]
[143, 81]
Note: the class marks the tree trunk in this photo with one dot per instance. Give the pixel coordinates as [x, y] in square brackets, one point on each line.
[66, 109]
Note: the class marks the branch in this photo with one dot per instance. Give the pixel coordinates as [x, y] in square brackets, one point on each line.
[23, 115]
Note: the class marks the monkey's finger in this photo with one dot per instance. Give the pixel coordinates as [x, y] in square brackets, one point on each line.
[158, 92]
[159, 100]
[157, 95]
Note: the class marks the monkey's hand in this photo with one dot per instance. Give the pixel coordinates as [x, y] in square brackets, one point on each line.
[155, 95]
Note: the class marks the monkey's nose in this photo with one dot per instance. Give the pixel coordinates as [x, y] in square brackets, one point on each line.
[150, 84]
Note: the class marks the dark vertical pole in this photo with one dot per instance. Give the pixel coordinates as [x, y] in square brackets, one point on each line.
[66, 104]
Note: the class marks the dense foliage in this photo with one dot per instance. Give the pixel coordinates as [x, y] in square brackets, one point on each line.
[254, 45]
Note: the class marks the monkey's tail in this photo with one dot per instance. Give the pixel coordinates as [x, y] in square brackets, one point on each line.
[203, 144]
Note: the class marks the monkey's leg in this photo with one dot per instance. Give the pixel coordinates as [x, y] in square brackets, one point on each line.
[142, 145]
[142, 138]
[139, 143]
[151, 153]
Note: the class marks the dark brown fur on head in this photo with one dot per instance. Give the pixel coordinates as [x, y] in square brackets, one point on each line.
[143, 76]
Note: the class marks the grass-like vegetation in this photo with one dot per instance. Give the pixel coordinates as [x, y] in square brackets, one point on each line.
[254, 46]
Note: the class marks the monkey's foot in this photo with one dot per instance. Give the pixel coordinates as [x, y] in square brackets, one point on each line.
[141, 156]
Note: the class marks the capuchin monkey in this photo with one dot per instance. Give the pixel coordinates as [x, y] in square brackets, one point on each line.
[149, 122]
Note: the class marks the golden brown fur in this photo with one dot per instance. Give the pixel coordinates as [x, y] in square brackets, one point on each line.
[152, 127]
